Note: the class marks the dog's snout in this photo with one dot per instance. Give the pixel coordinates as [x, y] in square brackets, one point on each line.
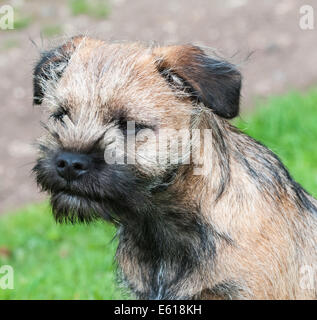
[72, 165]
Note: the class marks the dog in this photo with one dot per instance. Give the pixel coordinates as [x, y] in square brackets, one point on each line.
[232, 225]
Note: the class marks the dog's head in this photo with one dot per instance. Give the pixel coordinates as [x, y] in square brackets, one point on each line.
[100, 96]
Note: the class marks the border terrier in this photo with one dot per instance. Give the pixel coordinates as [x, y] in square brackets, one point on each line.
[232, 224]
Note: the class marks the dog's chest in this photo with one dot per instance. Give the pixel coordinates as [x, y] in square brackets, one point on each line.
[154, 266]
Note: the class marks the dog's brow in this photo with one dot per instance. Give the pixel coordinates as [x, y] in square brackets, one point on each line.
[121, 117]
[94, 146]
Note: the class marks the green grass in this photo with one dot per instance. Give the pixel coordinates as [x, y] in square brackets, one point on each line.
[76, 262]
[21, 20]
[57, 261]
[94, 8]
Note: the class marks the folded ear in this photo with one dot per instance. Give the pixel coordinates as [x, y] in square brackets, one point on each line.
[213, 82]
[51, 66]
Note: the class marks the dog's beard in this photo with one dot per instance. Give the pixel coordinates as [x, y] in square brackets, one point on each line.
[106, 192]
[73, 208]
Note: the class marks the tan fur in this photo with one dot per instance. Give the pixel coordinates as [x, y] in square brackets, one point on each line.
[271, 238]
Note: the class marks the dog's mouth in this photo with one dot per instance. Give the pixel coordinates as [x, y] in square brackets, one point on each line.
[72, 207]
[71, 203]
[77, 193]
[99, 194]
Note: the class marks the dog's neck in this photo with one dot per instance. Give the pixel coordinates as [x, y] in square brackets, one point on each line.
[162, 246]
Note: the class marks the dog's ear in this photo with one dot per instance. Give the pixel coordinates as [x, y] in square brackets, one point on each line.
[213, 82]
[51, 66]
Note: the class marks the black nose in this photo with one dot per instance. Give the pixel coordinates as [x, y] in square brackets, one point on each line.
[72, 165]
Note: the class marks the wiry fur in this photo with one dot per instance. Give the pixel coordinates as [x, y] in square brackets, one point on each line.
[241, 230]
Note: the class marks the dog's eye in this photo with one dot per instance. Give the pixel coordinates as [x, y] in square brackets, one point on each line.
[127, 126]
[173, 79]
[59, 114]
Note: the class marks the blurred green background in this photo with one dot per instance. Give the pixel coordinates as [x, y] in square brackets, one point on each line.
[279, 108]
